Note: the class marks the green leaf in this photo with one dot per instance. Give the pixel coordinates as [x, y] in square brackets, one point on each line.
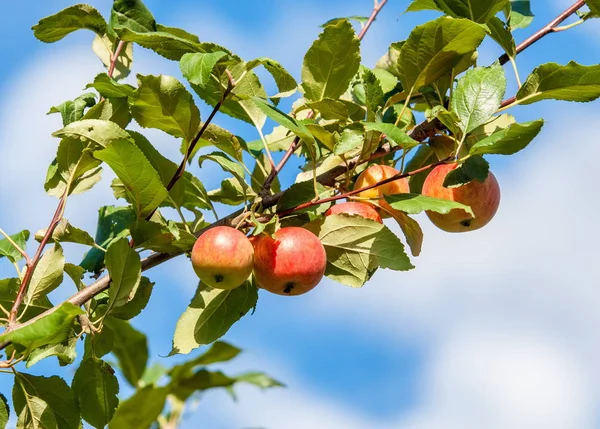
[113, 223]
[125, 270]
[4, 411]
[171, 43]
[137, 303]
[130, 347]
[161, 236]
[72, 111]
[300, 193]
[572, 82]
[434, 48]
[393, 134]
[98, 132]
[419, 5]
[594, 6]
[331, 62]
[65, 232]
[502, 35]
[44, 403]
[64, 352]
[474, 168]
[520, 14]
[219, 351]
[238, 104]
[417, 203]
[509, 140]
[162, 102]
[96, 389]
[231, 193]
[222, 140]
[108, 87]
[478, 11]
[356, 247]
[298, 128]
[259, 379]
[350, 139]
[210, 315]
[198, 67]
[286, 84]
[48, 274]
[131, 14]
[478, 96]
[330, 109]
[53, 328]
[362, 20]
[143, 184]
[104, 47]
[188, 192]
[77, 17]
[373, 93]
[228, 165]
[111, 109]
[141, 409]
[99, 344]
[9, 251]
[411, 229]
[8, 294]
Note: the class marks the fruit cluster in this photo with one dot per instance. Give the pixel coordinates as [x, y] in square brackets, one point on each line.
[293, 260]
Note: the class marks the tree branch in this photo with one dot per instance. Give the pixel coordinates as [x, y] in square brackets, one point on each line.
[420, 133]
[549, 28]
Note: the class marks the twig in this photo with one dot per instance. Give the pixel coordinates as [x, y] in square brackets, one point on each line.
[545, 30]
[296, 142]
[33, 262]
[376, 9]
[181, 169]
[366, 188]
[115, 58]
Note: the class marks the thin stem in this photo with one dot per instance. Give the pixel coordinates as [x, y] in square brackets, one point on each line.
[36, 258]
[115, 58]
[366, 188]
[376, 9]
[566, 27]
[545, 30]
[513, 62]
[15, 245]
[181, 169]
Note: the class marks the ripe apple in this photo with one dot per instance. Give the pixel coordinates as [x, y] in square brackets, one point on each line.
[223, 257]
[482, 197]
[292, 262]
[355, 208]
[375, 174]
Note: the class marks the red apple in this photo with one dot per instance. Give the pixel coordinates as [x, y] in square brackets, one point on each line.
[375, 174]
[291, 263]
[223, 257]
[355, 208]
[482, 197]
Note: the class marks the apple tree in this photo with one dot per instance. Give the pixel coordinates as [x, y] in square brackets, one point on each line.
[409, 135]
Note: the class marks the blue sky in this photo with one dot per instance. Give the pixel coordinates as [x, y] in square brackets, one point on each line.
[494, 329]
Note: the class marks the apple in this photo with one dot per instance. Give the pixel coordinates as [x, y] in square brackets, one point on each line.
[375, 174]
[355, 208]
[482, 197]
[223, 257]
[292, 262]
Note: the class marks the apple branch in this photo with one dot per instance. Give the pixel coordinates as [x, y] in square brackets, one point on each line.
[379, 4]
[551, 27]
[420, 133]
